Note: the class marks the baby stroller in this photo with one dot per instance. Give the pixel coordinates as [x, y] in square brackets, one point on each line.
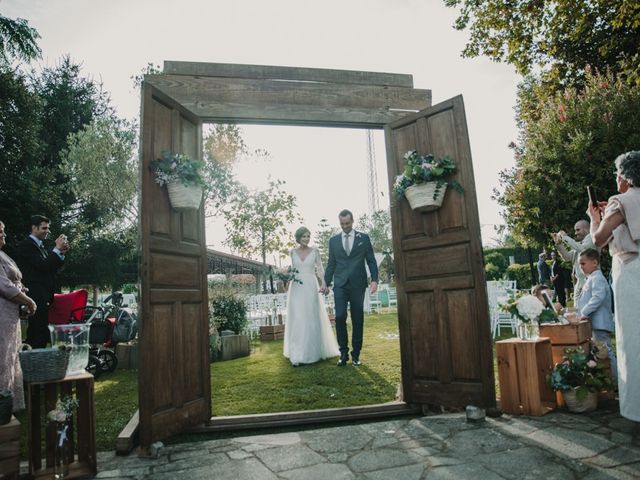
[110, 323]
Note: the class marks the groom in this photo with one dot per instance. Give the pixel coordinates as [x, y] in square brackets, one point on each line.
[348, 253]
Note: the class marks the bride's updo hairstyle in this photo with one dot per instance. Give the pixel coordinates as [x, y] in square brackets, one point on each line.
[628, 165]
[300, 232]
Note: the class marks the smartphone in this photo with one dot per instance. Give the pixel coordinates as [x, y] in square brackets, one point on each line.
[592, 196]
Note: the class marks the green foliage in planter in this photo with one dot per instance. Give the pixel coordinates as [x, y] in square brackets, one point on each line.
[581, 371]
[228, 312]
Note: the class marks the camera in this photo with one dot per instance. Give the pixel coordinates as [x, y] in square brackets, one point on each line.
[24, 311]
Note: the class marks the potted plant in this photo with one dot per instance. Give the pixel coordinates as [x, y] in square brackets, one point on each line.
[181, 174]
[424, 180]
[229, 314]
[579, 377]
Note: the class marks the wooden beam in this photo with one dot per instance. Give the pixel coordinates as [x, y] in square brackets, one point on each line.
[127, 438]
[274, 420]
[265, 72]
[269, 101]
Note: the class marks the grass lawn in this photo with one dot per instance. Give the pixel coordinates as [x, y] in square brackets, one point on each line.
[265, 382]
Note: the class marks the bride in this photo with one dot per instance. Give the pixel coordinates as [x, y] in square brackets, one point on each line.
[308, 337]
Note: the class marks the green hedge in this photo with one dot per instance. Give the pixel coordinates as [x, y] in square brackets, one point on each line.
[521, 273]
[228, 312]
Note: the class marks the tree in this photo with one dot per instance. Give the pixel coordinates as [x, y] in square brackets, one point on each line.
[322, 236]
[378, 227]
[23, 182]
[572, 143]
[17, 41]
[101, 162]
[223, 147]
[102, 259]
[259, 223]
[560, 37]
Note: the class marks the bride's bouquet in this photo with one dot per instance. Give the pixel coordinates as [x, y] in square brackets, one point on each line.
[287, 275]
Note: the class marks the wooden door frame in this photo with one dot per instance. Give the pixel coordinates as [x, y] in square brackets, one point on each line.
[251, 94]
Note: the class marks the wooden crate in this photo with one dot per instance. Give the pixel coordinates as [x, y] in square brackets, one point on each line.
[271, 332]
[523, 366]
[41, 398]
[10, 449]
[572, 334]
[557, 351]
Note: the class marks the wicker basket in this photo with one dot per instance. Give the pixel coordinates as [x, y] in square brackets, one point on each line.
[6, 406]
[576, 405]
[44, 364]
[421, 199]
[184, 197]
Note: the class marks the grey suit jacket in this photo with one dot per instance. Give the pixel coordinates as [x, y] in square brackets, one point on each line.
[595, 302]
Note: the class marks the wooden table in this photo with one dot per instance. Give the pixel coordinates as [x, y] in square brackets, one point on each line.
[10, 449]
[41, 398]
[523, 366]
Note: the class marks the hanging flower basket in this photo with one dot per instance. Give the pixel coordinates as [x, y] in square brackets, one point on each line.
[182, 176]
[424, 181]
[425, 197]
[184, 197]
[580, 405]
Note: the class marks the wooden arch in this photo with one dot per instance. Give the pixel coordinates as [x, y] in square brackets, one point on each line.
[442, 304]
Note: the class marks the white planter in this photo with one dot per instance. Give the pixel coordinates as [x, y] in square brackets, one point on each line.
[184, 197]
[421, 197]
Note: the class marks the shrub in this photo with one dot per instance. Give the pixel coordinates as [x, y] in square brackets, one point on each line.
[521, 273]
[229, 312]
[495, 265]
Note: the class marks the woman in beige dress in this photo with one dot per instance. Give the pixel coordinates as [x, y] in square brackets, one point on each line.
[11, 296]
[619, 227]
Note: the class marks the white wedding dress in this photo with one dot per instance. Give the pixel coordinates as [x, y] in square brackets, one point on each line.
[308, 336]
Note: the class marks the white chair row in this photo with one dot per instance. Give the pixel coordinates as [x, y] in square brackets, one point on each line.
[498, 292]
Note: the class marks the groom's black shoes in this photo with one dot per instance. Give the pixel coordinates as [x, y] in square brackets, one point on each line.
[344, 358]
[355, 361]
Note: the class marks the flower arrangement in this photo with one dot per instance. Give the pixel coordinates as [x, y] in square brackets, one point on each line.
[526, 308]
[177, 168]
[64, 409]
[426, 168]
[288, 275]
[580, 371]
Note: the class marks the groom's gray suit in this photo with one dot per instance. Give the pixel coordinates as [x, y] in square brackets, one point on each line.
[349, 278]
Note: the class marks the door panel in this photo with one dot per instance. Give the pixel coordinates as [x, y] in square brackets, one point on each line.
[443, 314]
[174, 375]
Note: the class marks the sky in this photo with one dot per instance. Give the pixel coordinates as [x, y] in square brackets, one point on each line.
[324, 168]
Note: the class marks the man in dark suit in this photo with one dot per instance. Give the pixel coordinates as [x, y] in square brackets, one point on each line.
[38, 269]
[348, 253]
[559, 277]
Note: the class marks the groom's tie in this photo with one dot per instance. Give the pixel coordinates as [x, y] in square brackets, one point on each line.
[43, 251]
[347, 249]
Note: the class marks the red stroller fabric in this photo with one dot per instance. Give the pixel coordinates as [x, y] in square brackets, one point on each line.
[65, 303]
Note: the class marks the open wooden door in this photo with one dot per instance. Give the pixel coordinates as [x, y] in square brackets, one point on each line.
[174, 377]
[443, 314]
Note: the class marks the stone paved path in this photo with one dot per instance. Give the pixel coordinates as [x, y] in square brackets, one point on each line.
[556, 446]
